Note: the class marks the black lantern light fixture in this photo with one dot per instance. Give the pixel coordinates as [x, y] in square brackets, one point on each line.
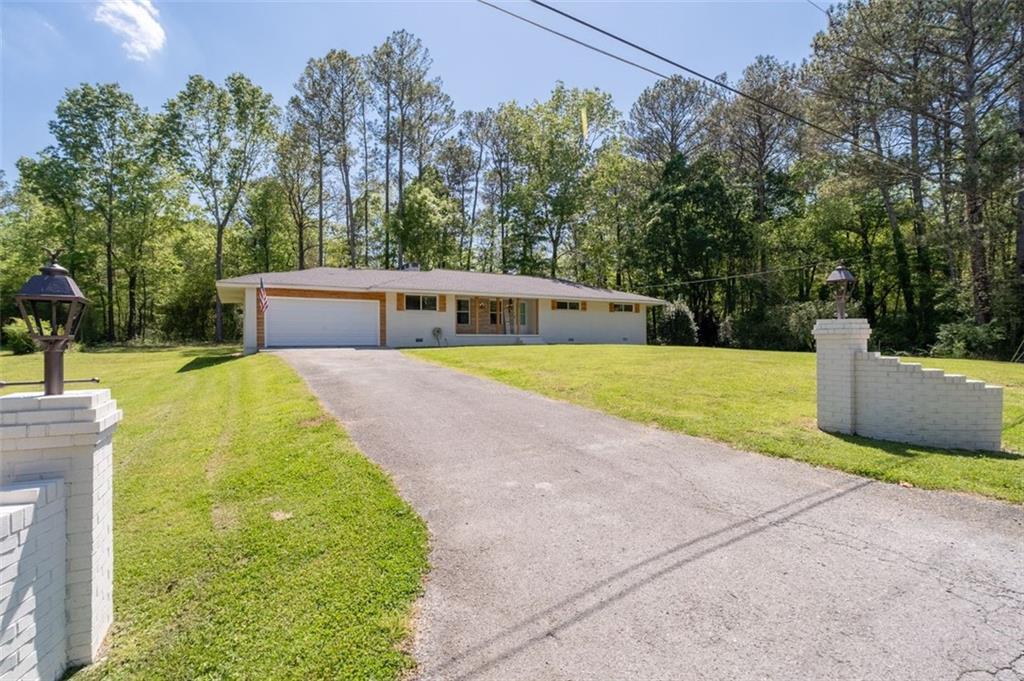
[52, 306]
[842, 281]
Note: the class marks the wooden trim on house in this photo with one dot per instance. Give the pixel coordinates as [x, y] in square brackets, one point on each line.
[583, 306]
[442, 302]
[335, 295]
[400, 302]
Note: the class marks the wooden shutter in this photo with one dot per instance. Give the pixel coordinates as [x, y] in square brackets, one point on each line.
[554, 304]
[442, 303]
[400, 301]
[583, 306]
[611, 307]
[636, 307]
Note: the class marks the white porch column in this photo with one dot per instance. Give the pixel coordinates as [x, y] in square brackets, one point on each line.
[837, 342]
[249, 322]
[69, 436]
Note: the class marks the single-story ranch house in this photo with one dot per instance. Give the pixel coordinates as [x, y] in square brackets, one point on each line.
[330, 306]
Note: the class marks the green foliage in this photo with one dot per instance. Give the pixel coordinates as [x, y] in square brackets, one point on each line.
[692, 230]
[218, 137]
[781, 327]
[14, 337]
[429, 221]
[725, 203]
[675, 325]
[967, 339]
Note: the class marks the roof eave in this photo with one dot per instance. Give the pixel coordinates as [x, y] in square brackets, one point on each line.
[228, 285]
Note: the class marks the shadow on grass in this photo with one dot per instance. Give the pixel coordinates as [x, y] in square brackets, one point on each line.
[909, 451]
[193, 349]
[205, 361]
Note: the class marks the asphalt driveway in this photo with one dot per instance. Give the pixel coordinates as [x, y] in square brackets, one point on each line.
[568, 544]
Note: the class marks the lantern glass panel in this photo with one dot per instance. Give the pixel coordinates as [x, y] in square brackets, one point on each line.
[75, 318]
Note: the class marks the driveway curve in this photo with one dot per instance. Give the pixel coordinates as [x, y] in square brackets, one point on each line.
[569, 544]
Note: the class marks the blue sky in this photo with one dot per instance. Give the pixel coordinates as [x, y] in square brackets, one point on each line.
[484, 57]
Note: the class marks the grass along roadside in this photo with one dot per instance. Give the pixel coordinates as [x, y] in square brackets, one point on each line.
[252, 539]
[754, 400]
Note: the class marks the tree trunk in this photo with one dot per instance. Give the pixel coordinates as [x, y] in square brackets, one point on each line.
[131, 331]
[111, 336]
[218, 315]
[350, 227]
[618, 251]
[1019, 255]
[867, 276]
[472, 215]
[144, 315]
[320, 201]
[554, 256]
[366, 185]
[401, 181]
[925, 286]
[898, 245]
[387, 180]
[974, 210]
[266, 247]
[973, 200]
[943, 133]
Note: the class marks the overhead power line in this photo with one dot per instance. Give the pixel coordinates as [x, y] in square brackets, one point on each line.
[714, 81]
[719, 83]
[745, 275]
[574, 40]
[820, 9]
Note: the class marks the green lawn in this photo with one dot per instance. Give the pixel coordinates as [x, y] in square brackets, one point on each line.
[252, 539]
[759, 401]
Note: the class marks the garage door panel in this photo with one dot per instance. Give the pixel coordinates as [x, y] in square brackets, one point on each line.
[322, 322]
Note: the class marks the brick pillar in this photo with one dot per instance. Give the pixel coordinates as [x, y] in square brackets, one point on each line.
[69, 436]
[838, 341]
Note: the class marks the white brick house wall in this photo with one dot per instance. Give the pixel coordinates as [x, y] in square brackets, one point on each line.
[32, 572]
[863, 393]
[70, 437]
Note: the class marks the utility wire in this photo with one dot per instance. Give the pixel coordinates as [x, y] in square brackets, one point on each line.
[745, 275]
[574, 40]
[820, 9]
[714, 81]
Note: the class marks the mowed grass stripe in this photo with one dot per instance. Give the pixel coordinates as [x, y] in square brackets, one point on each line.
[754, 400]
[252, 539]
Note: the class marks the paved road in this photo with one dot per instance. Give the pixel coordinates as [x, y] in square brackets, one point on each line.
[567, 544]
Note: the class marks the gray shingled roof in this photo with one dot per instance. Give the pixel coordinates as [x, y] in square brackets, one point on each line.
[432, 281]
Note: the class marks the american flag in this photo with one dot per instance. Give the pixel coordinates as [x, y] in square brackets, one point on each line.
[261, 297]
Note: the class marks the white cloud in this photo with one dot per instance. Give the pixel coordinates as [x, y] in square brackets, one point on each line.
[137, 21]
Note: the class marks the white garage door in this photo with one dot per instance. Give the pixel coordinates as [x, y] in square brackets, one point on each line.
[321, 322]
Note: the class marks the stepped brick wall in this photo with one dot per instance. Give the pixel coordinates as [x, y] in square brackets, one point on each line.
[864, 393]
[904, 402]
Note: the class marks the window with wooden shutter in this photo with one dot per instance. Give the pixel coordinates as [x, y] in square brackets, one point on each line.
[424, 303]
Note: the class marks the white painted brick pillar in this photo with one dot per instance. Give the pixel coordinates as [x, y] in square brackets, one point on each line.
[69, 436]
[838, 341]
